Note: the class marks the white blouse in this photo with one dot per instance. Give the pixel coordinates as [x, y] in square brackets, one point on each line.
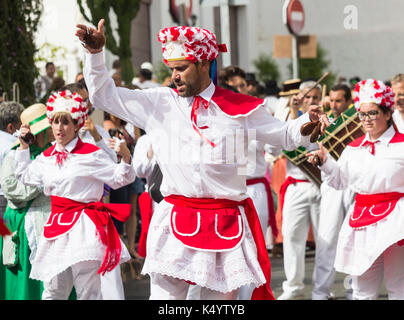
[365, 173]
[141, 163]
[398, 120]
[190, 166]
[80, 178]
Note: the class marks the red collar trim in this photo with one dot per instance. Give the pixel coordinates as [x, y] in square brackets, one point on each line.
[234, 104]
[397, 138]
[80, 148]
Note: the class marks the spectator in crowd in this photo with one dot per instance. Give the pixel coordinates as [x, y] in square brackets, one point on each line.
[145, 79]
[44, 82]
[9, 122]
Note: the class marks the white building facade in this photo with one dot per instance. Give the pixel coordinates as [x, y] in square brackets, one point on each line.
[362, 38]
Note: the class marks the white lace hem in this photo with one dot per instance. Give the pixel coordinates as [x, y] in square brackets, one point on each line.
[55, 256]
[219, 271]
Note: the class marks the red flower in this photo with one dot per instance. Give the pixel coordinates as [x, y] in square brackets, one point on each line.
[190, 35]
[175, 34]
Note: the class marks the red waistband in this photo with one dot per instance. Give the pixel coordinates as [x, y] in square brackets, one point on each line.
[270, 202]
[371, 199]
[371, 208]
[100, 213]
[202, 203]
[288, 181]
[263, 292]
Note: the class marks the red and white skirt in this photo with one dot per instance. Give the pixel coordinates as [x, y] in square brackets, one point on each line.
[226, 267]
[371, 226]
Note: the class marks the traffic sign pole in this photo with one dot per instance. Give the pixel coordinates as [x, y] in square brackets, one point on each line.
[295, 23]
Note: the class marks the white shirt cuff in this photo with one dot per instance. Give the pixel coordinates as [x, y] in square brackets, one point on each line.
[22, 155]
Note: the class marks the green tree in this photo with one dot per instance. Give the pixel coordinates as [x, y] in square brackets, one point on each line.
[126, 11]
[315, 68]
[18, 24]
[267, 68]
[162, 72]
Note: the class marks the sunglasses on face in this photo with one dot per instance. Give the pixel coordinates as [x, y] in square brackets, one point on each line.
[372, 115]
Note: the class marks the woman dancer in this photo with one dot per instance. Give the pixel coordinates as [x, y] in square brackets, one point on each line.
[370, 240]
[80, 242]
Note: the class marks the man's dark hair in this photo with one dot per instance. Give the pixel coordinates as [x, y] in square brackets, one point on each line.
[10, 112]
[49, 64]
[116, 64]
[146, 73]
[229, 72]
[74, 87]
[345, 88]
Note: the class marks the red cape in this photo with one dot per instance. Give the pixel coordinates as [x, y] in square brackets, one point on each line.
[235, 104]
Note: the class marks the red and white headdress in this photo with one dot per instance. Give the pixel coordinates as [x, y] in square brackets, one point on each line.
[189, 43]
[65, 101]
[373, 91]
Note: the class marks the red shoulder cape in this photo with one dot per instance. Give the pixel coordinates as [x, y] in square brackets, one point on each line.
[234, 104]
[80, 148]
[397, 138]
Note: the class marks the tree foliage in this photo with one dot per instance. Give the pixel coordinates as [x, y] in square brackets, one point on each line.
[315, 68]
[18, 23]
[267, 68]
[126, 11]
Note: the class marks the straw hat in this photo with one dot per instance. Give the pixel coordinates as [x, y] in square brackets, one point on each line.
[35, 116]
[290, 87]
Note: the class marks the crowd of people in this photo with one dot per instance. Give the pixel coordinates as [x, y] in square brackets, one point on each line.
[194, 179]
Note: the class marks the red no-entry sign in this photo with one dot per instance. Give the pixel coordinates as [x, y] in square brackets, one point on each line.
[295, 17]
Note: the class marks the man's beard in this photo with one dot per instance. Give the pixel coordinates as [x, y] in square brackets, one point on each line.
[189, 89]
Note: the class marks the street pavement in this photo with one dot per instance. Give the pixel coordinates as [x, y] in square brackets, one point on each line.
[138, 289]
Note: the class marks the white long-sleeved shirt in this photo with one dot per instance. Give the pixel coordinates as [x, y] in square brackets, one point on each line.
[6, 142]
[86, 136]
[141, 163]
[398, 120]
[80, 178]
[365, 173]
[190, 166]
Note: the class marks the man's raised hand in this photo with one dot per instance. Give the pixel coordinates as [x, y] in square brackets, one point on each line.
[92, 39]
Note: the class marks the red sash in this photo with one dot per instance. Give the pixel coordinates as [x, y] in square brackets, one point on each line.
[282, 191]
[370, 208]
[65, 213]
[263, 292]
[146, 212]
[3, 228]
[270, 201]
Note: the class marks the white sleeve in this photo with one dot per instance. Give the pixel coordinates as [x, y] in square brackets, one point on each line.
[142, 165]
[115, 175]
[279, 134]
[103, 143]
[28, 171]
[133, 106]
[335, 173]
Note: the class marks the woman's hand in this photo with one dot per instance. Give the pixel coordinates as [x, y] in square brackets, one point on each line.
[317, 157]
[24, 132]
[121, 148]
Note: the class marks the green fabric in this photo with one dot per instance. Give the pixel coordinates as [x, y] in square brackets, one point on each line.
[37, 119]
[35, 150]
[17, 284]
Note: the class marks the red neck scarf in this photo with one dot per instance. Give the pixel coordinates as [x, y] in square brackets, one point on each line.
[372, 145]
[198, 101]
